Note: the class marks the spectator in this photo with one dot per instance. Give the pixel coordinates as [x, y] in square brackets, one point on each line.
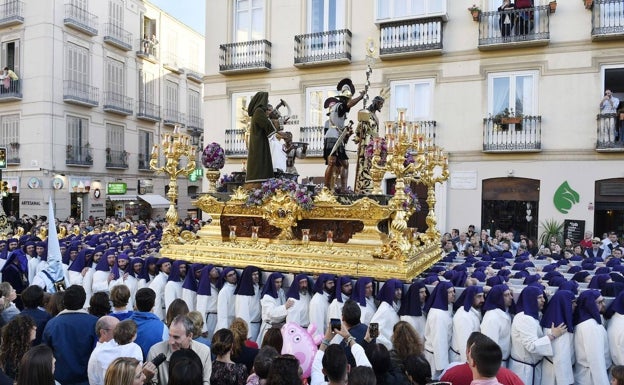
[262, 364]
[224, 370]
[150, 329]
[124, 371]
[36, 367]
[362, 375]
[99, 304]
[273, 337]
[617, 374]
[55, 303]
[8, 308]
[32, 297]
[185, 368]
[405, 343]
[104, 328]
[17, 337]
[120, 296]
[176, 308]
[484, 359]
[198, 324]
[285, 370]
[241, 353]
[417, 370]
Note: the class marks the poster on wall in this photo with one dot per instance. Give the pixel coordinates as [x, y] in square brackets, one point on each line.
[574, 230]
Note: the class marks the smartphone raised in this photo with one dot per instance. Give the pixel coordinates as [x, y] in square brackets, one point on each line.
[336, 324]
[373, 330]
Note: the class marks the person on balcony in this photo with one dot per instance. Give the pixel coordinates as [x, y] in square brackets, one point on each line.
[524, 23]
[507, 18]
[609, 105]
[9, 78]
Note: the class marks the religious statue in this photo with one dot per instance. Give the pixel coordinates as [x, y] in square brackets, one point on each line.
[367, 129]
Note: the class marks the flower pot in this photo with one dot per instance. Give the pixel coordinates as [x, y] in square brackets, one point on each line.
[213, 177]
[511, 120]
[475, 15]
[589, 4]
[553, 6]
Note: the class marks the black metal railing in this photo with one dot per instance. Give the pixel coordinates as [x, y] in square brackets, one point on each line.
[410, 36]
[116, 159]
[12, 155]
[610, 132]
[313, 136]
[117, 36]
[245, 56]
[78, 155]
[12, 92]
[11, 12]
[428, 129]
[235, 143]
[499, 136]
[172, 117]
[515, 26]
[329, 46]
[147, 49]
[116, 102]
[608, 18]
[195, 122]
[81, 93]
[81, 19]
[144, 162]
[148, 111]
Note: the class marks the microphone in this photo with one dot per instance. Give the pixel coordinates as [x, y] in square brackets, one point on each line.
[159, 359]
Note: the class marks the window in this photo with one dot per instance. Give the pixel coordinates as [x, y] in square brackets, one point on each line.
[9, 126]
[315, 97]
[194, 110]
[77, 137]
[404, 9]
[146, 87]
[116, 13]
[77, 64]
[517, 91]
[326, 15]
[115, 137]
[171, 96]
[80, 4]
[10, 55]
[240, 101]
[415, 95]
[115, 77]
[249, 20]
[146, 141]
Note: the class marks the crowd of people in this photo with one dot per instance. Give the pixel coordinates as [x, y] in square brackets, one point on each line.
[497, 309]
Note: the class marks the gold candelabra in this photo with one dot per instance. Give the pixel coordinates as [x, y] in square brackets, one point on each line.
[174, 146]
[410, 156]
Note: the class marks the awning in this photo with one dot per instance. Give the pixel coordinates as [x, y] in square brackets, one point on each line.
[155, 200]
[122, 197]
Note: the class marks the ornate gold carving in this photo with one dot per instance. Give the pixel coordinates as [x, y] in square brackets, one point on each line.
[282, 211]
[325, 197]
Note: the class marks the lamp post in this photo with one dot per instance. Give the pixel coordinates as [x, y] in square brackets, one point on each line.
[174, 146]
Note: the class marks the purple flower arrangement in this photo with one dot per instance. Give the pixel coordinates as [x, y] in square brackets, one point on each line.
[412, 199]
[383, 150]
[213, 156]
[259, 196]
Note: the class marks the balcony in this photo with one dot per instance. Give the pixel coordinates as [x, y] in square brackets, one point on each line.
[80, 93]
[607, 20]
[11, 13]
[144, 160]
[314, 137]
[194, 75]
[195, 122]
[147, 50]
[323, 48]
[80, 20]
[609, 133]
[248, 56]
[173, 117]
[235, 145]
[13, 93]
[148, 111]
[116, 159]
[12, 155]
[172, 63]
[428, 129]
[526, 27]
[78, 155]
[407, 38]
[522, 137]
[117, 103]
[118, 37]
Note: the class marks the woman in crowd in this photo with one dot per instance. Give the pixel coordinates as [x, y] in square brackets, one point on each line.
[405, 343]
[17, 337]
[273, 337]
[617, 375]
[285, 370]
[224, 370]
[124, 371]
[37, 367]
[185, 368]
[262, 364]
[241, 353]
[177, 307]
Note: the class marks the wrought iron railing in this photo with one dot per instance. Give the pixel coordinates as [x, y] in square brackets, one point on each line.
[171, 117]
[428, 129]
[410, 36]
[235, 143]
[147, 49]
[313, 136]
[12, 92]
[79, 18]
[148, 111]
[195, 122]
[609, 132]
[607, 18]
[11, 12]
[245, 56]
[78, 155]
[525, 136]
[116, 102]
[514, 26]
[81, 93]
[329, 46]
[12, 155]
[116, 159]
[117, 36]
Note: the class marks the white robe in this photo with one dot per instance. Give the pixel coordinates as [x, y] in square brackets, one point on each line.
[207, 305]
[248, 308]
[438, 332]
[190, 297]
[158, 285]
[496, 324]
[32, 268]
[273, 312]
[418, 322]
[299, 313]
[225, 306]
[615, 332]
[100, 281]
[557, 369]
[173, 290]
[319, 305]
[464, 323]
[593, 358]
[368, 311]
[335, 308]
[528, 347]
[386, 316]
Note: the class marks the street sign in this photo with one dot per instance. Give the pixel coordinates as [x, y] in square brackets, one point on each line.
[196, 174]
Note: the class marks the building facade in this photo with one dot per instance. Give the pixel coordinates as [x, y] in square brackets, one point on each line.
[98, 83]
[462, 77]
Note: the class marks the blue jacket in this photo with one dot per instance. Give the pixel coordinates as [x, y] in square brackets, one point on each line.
[72, 338]
[41, 320]
[150, 330]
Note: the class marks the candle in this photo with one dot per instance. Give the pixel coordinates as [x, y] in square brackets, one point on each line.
[154, 149]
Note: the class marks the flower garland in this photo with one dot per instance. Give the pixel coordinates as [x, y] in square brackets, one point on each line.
[383, 150]
[213, 156]
[259, 196]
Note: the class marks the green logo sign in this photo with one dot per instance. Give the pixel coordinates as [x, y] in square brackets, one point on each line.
[565, 198]
[197, 174]
[116, 188]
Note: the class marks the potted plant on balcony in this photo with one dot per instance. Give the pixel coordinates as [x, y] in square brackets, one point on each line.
[475, 11]
[14, 145]
[588, 4]
[552, 6]
[507, 117]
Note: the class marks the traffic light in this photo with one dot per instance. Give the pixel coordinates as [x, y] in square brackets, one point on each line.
[3, 157]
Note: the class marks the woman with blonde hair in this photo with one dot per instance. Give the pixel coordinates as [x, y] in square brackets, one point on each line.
[124, 371]
[405, 343]
[241, 352]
